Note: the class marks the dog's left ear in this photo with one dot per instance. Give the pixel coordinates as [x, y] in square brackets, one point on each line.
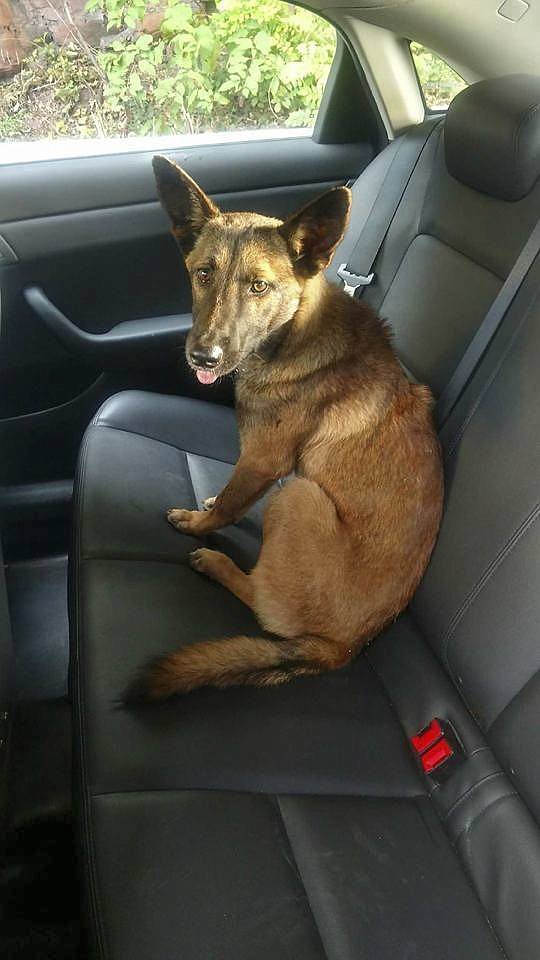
[314, 232]
[187, 205]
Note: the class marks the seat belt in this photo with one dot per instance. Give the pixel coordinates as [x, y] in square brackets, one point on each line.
[358, 271]
[488, 328]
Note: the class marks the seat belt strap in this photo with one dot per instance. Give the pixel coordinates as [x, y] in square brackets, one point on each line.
[488, 328]
[358, 271]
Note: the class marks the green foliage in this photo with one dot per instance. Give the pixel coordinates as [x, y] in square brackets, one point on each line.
[438, 81]
[56, 94]
[244, 65]
[216, 66]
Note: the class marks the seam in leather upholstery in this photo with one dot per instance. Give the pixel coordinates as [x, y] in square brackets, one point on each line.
[392, 706]
[466, 832]
[479, 585]
[423, 216]
[249, 790]
[513, 697]
[475, 263]
[432, 236]
[146, 436]
[93, 889]
[126, 558]
[529, 113]
[458, 689]
[456, 803]
[436, 128]
[285, 835]
[479, 750]
[468, 855]
[187, 455]
[467, 835]
[451, 446]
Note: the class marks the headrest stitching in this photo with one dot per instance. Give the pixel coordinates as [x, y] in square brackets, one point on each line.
[529, 113]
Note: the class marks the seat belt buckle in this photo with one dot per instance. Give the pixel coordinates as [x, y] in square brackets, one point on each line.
[438, 749]
[351, 281]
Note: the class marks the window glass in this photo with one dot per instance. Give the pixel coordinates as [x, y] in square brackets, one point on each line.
[438, 81]
[120, 68]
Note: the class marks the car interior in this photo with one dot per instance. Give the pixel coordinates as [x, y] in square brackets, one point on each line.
[304, 821]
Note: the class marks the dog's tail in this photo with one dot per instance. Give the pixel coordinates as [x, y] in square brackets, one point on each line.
[235, 661]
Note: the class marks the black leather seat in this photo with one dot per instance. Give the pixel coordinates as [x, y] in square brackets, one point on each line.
[294, 822]
[6, 691]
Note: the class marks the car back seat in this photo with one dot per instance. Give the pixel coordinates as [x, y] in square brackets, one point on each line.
[295, 822]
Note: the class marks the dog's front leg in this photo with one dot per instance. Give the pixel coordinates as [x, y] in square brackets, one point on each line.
[266, 456]
[247, 484]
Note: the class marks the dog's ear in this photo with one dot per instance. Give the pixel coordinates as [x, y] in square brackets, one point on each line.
[314, 232]
[187, 205]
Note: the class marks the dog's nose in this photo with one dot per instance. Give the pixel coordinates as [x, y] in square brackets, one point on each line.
[206, 358]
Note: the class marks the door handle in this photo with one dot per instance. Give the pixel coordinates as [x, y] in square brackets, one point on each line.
[119, 346]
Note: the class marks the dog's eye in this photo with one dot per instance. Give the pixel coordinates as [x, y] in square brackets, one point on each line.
[259, 286]
[202, 274]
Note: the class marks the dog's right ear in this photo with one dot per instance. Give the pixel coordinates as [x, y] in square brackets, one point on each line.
[313, 233]
[187, 205]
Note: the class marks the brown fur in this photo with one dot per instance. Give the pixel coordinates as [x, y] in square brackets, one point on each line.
[320, 392]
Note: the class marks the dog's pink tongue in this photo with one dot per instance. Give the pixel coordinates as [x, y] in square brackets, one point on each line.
[206, 377]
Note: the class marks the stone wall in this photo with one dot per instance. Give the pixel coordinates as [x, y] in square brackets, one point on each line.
[22, 21]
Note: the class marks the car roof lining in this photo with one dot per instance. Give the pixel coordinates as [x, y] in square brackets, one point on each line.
[474, 38]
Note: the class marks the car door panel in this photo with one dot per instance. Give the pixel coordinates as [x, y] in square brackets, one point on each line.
[48, 187]
[91, 235]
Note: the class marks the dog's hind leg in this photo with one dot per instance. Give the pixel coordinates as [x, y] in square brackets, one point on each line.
[291, 587]
[218, 566]
[301, 583]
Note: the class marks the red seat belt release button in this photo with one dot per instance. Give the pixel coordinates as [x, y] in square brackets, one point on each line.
[427, 737]
[436, 755]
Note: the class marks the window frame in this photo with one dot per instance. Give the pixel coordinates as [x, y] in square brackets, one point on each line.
[430, 111]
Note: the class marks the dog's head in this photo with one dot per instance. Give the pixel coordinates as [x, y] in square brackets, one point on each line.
[248, 272]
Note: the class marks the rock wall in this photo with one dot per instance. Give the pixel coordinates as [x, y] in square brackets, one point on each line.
[22, 21]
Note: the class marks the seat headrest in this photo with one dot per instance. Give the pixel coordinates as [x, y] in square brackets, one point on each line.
[492, 136]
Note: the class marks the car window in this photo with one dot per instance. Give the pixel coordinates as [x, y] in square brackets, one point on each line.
[124, 68]
[438, 81]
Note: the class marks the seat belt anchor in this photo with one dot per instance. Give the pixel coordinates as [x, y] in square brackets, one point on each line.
[351, 281]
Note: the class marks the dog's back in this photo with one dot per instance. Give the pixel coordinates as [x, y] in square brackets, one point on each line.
[370, 448]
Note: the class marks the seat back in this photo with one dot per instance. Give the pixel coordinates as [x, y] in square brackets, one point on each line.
[466, 213]
[479, 603]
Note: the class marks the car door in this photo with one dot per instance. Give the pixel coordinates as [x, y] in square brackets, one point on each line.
[94, 298]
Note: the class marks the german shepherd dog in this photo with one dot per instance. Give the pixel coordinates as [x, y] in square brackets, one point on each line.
[319, 392]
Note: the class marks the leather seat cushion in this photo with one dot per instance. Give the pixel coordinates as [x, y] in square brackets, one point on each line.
[138, 597]
[227, 875]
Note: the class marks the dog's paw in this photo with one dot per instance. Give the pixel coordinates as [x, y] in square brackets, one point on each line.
[204, 561]
[187, 521]
[209, 503]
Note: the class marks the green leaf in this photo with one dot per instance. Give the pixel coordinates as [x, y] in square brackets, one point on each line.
[144, 41]
[263, 42]
[134, 83]
[178, 18]
[147, 68]
[205, 37]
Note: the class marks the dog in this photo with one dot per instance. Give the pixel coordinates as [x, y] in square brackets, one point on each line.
[321, 394]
